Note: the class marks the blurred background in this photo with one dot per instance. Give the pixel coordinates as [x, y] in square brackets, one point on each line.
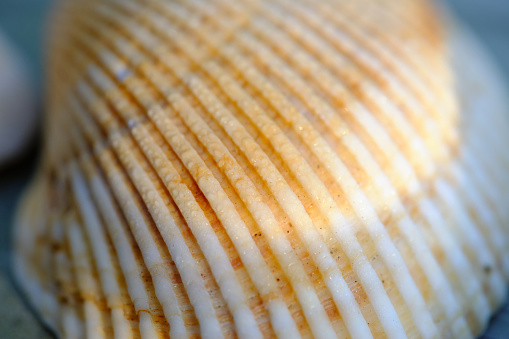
[23, 24]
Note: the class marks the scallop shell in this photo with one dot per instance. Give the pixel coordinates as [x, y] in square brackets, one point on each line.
[266, 169]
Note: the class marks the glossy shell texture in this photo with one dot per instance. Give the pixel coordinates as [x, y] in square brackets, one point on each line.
[266, 169]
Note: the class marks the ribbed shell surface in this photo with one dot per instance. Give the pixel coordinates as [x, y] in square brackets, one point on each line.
[266, 169]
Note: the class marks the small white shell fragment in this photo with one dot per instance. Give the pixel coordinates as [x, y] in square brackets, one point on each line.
[17, 102]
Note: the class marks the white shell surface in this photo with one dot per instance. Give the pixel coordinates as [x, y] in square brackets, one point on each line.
[18, 116]
[266, 169]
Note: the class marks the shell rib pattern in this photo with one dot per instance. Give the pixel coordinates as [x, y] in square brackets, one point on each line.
[266, 168]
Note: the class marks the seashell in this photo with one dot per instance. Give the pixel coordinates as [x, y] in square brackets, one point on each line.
[266, 169]
[17, 103]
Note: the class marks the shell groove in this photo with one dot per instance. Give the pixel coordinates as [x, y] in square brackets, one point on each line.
[266, 169]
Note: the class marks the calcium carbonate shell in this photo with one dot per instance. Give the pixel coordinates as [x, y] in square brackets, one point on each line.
[266, 169]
